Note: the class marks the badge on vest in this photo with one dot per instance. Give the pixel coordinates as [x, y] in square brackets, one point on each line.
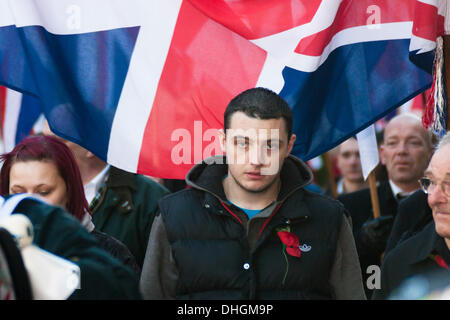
[304, 248]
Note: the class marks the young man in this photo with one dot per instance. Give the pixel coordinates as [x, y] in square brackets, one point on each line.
[246, 228]
[427, 252]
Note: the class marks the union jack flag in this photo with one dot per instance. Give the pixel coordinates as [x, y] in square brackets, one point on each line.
[134, 80]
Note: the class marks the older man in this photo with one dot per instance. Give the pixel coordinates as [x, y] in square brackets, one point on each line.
[405, 151]
[429, 251]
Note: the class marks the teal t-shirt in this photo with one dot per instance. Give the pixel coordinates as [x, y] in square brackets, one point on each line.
[250, 213]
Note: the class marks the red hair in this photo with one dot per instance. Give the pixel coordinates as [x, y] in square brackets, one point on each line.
[46, 148]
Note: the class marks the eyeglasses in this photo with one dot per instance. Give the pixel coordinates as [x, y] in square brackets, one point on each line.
[428, 186]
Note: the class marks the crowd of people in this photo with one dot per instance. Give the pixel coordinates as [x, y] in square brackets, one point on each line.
[244, 225]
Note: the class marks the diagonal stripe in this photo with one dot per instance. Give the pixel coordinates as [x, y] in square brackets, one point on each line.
[141, 85]
[369, 14]
[206, 66]
[259, 18]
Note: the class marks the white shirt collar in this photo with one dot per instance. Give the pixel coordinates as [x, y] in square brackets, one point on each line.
[396, 189]
[93, 186]
[340, 186]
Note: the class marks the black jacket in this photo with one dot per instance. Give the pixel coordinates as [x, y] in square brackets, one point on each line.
[359, 206]
[413, 215]
[126, 209]
[412, 257]
[117, 249]
[220, 254]
[57, 231]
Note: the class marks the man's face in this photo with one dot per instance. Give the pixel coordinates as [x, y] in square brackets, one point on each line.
[438, 171]
[255, 150]
[405, 151]
[348, 161]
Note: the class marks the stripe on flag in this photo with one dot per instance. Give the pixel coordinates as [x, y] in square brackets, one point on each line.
[134, 80]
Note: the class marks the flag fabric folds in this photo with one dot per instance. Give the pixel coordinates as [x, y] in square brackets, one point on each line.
[20, 115]
[144, 83]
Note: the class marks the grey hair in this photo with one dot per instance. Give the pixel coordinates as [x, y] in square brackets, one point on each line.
[445, 140]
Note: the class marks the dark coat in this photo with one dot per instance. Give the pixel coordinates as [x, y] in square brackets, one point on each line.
[102, 276]
[412, 257]
[126, 209]
[359, 206]
[413, 215]
[117, 249]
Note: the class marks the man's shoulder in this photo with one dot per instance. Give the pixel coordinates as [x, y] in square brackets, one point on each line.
[184, 197]
[318, 203]
[142, 180]
[136, 181]
[321, 199]
[418, 199]
[360, 201]
[359, 196]
[408, 251]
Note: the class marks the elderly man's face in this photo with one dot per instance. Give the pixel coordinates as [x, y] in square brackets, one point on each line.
[405, 151]
[438, 172]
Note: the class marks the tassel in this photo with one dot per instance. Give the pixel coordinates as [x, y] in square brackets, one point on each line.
[435, 115]
[428, 113]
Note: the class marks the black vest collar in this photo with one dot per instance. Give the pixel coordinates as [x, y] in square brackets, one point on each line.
[208, 175]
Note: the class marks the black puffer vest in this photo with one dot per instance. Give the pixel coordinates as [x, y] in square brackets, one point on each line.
[210, 244]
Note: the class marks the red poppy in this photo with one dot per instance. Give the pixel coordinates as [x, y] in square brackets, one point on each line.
[291, 242]
[441, 262]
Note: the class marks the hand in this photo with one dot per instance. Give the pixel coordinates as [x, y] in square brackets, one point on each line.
[375, 232]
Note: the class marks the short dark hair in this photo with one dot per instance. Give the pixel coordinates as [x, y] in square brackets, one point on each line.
[260, 103]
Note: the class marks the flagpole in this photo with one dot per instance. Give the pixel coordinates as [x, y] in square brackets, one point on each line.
[369, 155]
[374, 199]
[374, 194]
[329, 166]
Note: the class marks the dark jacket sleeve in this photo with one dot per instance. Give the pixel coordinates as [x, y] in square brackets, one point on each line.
[413, 214]
[159, 275]
[346, 278]
[102, 276]
[117, 249]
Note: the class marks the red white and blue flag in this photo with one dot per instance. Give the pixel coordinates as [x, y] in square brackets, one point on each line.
[139, 82]
[20, 115]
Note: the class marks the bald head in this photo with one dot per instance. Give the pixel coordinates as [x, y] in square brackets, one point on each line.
[406, 150]
[410, 120]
